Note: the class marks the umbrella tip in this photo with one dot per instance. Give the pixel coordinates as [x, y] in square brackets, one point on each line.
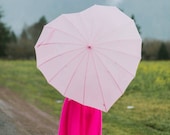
[89, 47]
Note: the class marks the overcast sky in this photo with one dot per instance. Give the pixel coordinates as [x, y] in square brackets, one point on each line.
[152, 15]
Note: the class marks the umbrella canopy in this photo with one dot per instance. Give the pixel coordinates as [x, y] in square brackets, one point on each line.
[90, 56]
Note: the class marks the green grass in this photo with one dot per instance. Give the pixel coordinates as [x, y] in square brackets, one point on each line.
[149, 93]
[23, 78]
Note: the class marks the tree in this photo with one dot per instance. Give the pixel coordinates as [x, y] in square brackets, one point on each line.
[35, 30]
[138, 27]
[13, 37]
[150, 49]
[163, 53]
[4, 36]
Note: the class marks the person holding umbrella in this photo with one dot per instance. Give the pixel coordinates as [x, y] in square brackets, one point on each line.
[90, 57]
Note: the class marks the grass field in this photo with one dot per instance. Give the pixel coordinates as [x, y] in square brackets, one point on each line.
[149, 94]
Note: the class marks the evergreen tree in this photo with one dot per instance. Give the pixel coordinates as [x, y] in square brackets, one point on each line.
[4, 36]
[35, 30]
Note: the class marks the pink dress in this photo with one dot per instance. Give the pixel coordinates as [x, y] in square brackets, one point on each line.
[77, 119]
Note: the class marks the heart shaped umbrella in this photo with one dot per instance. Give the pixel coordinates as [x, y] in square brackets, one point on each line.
[90, 56]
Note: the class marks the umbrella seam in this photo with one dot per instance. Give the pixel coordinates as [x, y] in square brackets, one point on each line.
[114, 30]
[99, 82]
[82, 22]
[60, 43]
[76, 28]
[116, 63]
[47, 39]
[65, 65]
[73, 75]
[119, 52]
[59, 56]
[69, 34]
[87, 64]
[120, 39]
[109, 74]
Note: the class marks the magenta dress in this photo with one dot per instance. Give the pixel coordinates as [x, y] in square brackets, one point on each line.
[77, 119]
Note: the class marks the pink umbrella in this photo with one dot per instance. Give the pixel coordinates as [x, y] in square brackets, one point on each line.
[90, 56]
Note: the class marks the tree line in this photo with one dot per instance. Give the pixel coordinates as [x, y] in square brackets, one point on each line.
[155, 50]
[22, 46]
